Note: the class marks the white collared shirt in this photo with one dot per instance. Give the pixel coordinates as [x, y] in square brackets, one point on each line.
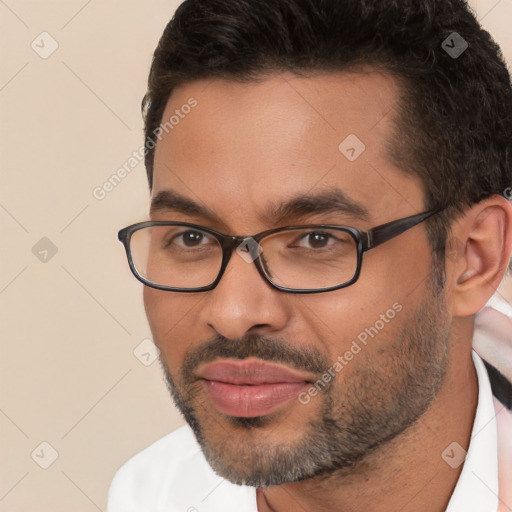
[477, 487]
[172, 474]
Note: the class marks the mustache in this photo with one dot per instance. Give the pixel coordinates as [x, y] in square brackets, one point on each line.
[273, 350]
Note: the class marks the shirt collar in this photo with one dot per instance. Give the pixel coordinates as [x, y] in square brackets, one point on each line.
[477, 487]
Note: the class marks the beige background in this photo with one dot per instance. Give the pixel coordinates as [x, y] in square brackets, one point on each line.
[71, 325]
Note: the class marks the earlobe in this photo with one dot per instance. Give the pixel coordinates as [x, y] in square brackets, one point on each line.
[485, 234]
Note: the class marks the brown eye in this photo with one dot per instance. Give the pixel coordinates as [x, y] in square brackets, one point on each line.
[318, 240]
[192, 238]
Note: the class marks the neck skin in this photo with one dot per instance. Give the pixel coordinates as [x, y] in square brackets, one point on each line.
[408, 473]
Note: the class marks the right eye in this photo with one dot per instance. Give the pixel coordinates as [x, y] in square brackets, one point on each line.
[189, 239]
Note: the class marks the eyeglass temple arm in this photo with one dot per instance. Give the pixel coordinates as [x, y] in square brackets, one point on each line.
[385, 232]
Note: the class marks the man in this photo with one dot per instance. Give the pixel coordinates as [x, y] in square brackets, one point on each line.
[328, 214]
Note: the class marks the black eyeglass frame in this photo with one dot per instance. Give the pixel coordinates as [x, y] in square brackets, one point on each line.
[365, 240]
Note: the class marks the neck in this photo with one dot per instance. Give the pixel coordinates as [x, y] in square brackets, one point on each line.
[408, 473]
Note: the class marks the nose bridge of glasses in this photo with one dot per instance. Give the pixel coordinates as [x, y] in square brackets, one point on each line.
[246, 247]
[229, 243]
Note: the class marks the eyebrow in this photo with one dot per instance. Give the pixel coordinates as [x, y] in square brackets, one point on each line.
[332, 200]
[170, 200]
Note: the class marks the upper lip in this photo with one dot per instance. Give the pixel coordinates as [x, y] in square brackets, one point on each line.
[251, 372]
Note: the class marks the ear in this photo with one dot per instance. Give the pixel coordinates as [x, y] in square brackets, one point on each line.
[483, 241]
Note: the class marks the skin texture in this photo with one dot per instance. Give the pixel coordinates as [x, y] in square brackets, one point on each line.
[245, 147]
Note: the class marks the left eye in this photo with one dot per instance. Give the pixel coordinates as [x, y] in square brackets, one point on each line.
[315, 240]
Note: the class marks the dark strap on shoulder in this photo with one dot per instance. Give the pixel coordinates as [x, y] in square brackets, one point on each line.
[501, 387]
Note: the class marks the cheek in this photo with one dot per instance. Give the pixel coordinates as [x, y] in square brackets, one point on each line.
[352, 319]
[154, 305]
[170, 324]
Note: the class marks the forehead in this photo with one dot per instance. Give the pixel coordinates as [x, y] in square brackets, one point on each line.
[243, 145]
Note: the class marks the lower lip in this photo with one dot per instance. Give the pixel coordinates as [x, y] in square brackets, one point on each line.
[251, 401]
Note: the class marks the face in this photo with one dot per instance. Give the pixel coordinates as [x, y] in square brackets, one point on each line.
[280, 387]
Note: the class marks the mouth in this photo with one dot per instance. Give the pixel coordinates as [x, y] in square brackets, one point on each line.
[251, 387]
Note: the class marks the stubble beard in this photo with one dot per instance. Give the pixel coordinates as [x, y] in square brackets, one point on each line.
[386, 393]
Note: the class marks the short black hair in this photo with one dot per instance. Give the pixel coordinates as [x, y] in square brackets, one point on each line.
[453, 127]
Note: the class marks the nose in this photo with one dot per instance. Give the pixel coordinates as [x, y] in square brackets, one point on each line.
[244, 302]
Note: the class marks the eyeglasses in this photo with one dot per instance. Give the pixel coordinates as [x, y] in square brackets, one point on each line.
[184, 257]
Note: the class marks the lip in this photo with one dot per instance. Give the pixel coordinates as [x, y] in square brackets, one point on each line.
[251, 387]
